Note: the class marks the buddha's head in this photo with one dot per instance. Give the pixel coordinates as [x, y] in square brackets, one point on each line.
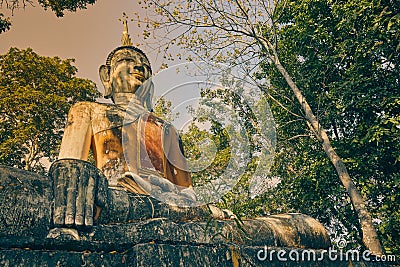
[125, 71]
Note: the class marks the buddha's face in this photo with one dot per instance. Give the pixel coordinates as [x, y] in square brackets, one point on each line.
[128, 73]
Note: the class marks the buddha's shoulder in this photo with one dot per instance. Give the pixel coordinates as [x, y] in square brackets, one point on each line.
[91, 106]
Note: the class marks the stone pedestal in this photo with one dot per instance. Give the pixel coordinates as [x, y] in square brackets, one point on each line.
[137, 230]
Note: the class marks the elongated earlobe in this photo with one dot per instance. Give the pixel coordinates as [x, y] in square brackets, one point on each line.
[104, 73]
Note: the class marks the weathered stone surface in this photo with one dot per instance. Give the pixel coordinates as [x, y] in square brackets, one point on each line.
[159, 254]
[137, 230]
[25, 206]
[26, 221]
[121, 236]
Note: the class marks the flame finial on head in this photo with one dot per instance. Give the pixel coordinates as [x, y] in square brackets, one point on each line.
[126, 38]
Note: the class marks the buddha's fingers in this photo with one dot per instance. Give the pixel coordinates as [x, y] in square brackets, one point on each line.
[81, 198]
[90, 195]
[60, 178]
[71, 196]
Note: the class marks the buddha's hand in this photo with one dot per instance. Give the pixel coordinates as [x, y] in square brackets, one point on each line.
[80, 192]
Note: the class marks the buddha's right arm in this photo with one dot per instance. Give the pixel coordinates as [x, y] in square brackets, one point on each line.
[79, 187]
[78, 133]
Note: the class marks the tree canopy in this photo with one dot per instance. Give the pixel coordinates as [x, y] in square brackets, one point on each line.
[345, 57]
[4, 23]
[57, 6]
[330, 70]
[36, 93]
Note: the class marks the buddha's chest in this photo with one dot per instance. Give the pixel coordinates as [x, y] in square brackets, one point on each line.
[136, 146]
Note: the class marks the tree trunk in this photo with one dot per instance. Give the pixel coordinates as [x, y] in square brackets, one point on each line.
[370, 236]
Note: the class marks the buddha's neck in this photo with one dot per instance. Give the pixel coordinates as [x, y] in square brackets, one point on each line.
[124, 99]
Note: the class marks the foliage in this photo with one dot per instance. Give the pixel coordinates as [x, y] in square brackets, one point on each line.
[345, 56]
[57, 6]
[213, 124]
[163, 110]
[36, 93]
[4, 23]
[192, 139]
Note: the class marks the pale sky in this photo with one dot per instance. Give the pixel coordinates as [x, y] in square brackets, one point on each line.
[87, 35]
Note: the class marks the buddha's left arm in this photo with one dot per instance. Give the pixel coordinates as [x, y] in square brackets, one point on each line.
[177, 160]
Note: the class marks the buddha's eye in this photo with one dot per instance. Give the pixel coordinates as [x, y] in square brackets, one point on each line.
[130, 69]
[139, 68]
